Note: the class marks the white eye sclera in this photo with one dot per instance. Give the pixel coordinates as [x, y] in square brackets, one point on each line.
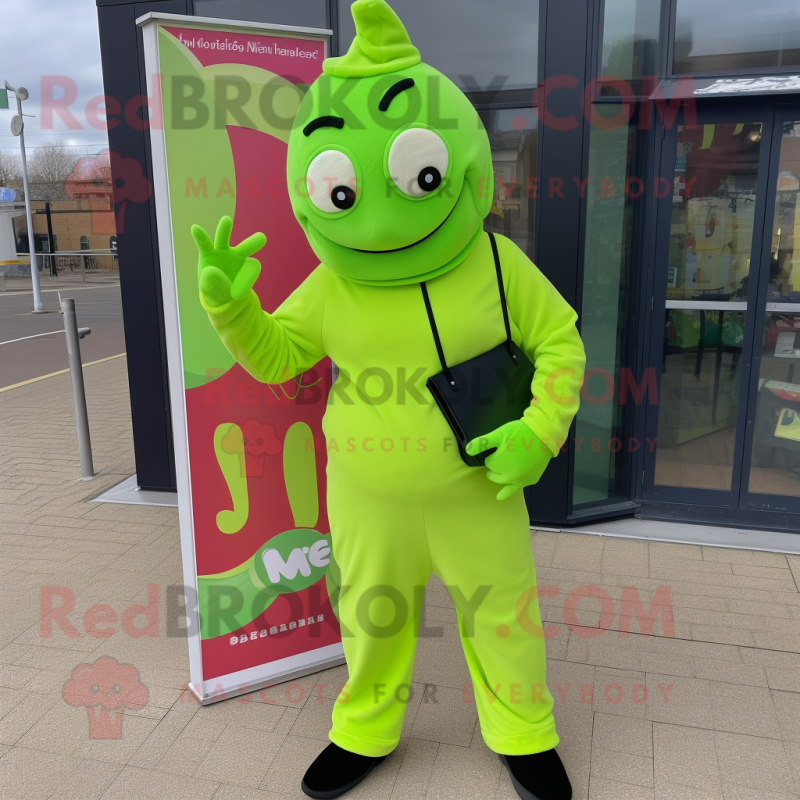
[418, 161]
[331, 181]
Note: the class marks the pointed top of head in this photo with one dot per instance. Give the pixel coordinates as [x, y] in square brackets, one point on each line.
[381, 44]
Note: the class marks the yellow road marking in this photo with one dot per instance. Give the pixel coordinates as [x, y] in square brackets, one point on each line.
[60, 372]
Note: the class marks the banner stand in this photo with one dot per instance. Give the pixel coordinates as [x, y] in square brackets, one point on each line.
[250, 475]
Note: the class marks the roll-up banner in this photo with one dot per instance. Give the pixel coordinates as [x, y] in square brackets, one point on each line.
[260, 579]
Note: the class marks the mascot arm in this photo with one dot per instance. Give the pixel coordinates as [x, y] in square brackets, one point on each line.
[546, 323]
[274, 348]
[549, 336]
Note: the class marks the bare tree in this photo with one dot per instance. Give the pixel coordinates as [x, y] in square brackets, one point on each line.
[97, 169]
[49, 166]
[11, 172]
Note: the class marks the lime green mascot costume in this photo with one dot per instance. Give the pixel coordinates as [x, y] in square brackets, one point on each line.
[390, 175]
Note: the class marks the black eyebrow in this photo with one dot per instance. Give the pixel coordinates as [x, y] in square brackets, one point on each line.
[393, 91]
[323, 122]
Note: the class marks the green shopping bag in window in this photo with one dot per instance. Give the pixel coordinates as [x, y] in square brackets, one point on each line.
[733, 331]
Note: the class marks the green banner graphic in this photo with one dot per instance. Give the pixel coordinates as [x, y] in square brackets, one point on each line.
[289, 562]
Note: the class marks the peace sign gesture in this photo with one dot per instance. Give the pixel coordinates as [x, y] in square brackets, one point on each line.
[226, 273]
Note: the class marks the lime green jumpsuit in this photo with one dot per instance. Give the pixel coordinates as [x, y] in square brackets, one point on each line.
[401, 502]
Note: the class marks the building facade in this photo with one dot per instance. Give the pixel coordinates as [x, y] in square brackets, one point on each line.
[647, 158]
[79, 224]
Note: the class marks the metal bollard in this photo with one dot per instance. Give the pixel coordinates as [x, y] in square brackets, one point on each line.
[73, 336]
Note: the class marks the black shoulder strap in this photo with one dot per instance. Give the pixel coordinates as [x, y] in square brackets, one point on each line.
[432, 320]
[434, 329]
[500, 287]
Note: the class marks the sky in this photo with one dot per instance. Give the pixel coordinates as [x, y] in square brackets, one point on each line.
[42, 38]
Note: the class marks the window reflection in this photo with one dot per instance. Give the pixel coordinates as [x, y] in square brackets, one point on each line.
[476, 45]
[513, 135]
[736, 35]
[711, 235]
[630, 40]
[775, 467]
[306, 13]
[609, 225]
[713, 208]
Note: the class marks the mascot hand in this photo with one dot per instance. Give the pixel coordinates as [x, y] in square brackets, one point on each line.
[226, 273]
[520, 458]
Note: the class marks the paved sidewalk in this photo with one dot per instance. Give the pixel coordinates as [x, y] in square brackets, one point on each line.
[709, 711]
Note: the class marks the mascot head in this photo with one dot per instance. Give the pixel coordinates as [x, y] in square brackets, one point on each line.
[389, 166]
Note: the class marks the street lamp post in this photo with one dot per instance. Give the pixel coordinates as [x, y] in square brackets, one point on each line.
[18, 129]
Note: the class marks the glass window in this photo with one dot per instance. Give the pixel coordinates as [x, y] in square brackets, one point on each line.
[711, 237]
[611, 194]
[476, 44]
[630, 41]
[305, 13]
[736, 35]
[713, 208]
[513, 135]
[775, 468]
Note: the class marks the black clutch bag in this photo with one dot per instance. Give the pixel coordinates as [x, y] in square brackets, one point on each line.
[486, 391]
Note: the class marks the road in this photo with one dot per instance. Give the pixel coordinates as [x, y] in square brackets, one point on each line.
[23, 358]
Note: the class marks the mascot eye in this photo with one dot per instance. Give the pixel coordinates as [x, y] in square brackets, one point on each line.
[418, 161]
[343, 197]
[331, 181]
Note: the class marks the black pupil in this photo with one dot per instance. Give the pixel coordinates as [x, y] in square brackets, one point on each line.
[429, 179]
[343, 197]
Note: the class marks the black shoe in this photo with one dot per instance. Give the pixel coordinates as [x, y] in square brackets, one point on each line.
[540, 776]
[336, 771]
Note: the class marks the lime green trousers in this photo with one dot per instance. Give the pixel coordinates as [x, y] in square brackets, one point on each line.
[387, 545]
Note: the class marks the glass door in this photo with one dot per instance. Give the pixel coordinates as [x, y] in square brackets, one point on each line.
[772, 466]
[708, 243]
